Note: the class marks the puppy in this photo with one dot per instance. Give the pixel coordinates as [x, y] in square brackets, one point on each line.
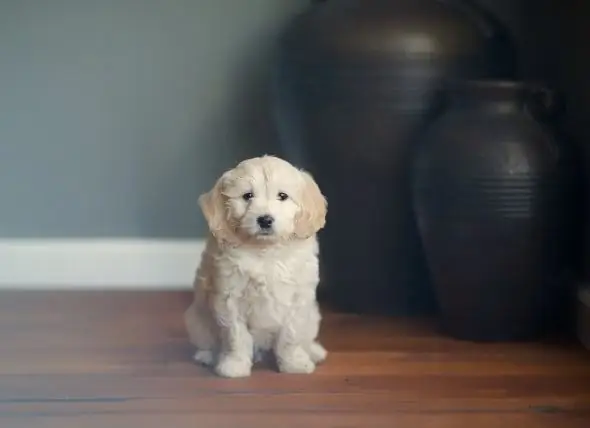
[255, 288]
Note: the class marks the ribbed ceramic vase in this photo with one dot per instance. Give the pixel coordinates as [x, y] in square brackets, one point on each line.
[495, 198]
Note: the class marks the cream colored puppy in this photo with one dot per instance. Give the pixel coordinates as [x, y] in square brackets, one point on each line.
[255, 288]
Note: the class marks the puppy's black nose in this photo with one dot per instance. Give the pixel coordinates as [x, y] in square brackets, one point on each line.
[265, 221]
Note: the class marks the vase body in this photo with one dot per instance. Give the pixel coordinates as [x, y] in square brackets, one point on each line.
[495, 198]
[354, 85]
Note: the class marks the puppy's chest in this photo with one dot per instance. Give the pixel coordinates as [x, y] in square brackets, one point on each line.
[261, 271]
[267, 284]
[269, 293]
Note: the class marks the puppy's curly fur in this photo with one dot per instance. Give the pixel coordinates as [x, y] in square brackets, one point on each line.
[255, 288]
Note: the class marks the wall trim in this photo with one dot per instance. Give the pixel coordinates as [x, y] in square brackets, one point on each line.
[98, 263]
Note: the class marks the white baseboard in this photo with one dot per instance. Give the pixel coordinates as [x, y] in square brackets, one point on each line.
[98, 263]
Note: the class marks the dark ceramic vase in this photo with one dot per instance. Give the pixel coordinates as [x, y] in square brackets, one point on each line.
[353, 89]
[495, 197]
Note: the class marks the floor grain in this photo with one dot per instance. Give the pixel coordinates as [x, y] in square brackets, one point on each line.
[121, 359]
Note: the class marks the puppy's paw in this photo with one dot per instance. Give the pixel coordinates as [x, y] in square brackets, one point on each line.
[295, 361]
[204, 357]
[317, 352]
[233, 365]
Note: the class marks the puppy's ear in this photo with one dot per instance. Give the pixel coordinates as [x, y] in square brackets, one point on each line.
[312, 215]
[214, 207]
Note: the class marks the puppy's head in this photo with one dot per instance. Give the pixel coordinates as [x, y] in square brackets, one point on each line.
[264, 199]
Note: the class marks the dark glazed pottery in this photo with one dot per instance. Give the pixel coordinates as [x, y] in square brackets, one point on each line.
[354, 88]
[494, 194]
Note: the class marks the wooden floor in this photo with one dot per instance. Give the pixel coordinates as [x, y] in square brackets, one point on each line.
[110, 360]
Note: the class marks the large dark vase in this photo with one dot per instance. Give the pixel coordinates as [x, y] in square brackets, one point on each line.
[495, 197]
[354, 88]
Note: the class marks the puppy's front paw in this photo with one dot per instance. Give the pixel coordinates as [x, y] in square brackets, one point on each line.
[317, 352]
[295, 360]
[234, 365]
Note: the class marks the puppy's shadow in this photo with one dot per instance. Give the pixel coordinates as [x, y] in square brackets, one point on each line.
[266, 362]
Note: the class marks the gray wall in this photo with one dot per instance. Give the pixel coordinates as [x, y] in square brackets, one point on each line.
[116, 114]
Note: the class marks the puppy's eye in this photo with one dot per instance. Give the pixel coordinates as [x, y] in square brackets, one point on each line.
[283, 196]
[247, 196]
